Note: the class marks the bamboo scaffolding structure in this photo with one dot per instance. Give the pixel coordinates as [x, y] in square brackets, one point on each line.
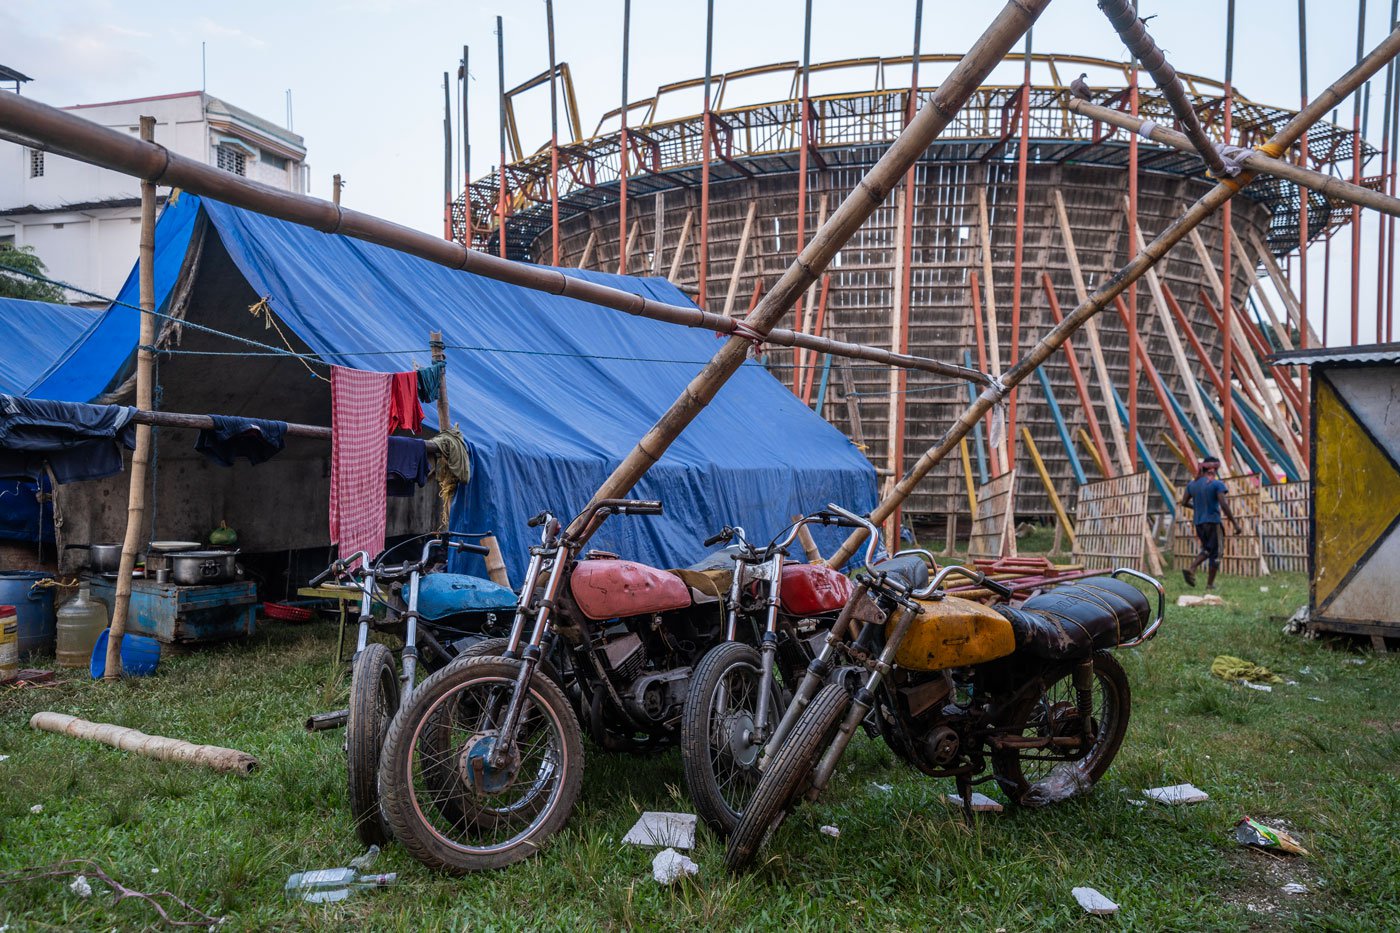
[680, 247]
[989, 50]
[899, 400]
[1329, 185]
[1208, 204]
[1101, 457]
[803, 144]
[501, 203]
[1091, 329]
[145, 395]
[1100, 463]
[707, 132]
[151, 746]
[804, 309]
[1019, 251]
[553, 141]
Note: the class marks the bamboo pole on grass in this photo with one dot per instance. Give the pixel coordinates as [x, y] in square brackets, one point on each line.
[1207, 205]
[145, 393]
[969, 74]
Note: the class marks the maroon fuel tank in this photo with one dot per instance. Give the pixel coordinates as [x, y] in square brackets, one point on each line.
[811, 589]
[613, 589]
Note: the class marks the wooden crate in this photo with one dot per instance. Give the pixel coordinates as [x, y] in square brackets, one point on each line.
[1110, 522]
[994, 530]
[1283, 526]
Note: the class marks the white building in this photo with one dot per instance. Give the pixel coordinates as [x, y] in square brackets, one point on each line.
[84, 221]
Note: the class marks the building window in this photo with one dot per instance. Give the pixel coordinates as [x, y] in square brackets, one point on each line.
[36, 163]
[271, 160]
[232, 160]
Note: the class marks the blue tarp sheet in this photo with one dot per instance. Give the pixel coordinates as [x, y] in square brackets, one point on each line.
[34, 334]
[549, 392]
[107, 348]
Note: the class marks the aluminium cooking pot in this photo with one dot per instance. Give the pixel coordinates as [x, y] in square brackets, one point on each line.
[197, 568]
[102, 558]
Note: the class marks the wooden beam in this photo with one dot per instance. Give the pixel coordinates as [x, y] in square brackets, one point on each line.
[1049, 486]
[680, 247]
[631, 245]
[588, 249]
[967, 478]
[658, 242]
[989, 312]
[739, 258]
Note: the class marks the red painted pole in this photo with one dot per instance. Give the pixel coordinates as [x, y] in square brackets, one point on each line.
[802, 142]
[1080, 386]
[1021, 159]
[623, 156]
[900, 400]
[1227, 399]
[1132, 288]
[704, 259]
[817, 331]
[1154, 379]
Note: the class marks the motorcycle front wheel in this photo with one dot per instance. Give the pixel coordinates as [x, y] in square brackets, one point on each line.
[449, 806]
[1035, 777]
[720, 716]
[787, 775]
[374, 697]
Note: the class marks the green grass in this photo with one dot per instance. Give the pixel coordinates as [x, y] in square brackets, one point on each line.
[1330, 770]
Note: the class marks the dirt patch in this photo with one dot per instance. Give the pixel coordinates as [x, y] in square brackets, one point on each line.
[1264, 876]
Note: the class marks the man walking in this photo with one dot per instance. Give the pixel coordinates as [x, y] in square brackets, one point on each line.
[1206, 496]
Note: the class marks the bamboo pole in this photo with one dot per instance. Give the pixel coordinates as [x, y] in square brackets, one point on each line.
[680, 246]
[1101, 457]
[447, 171]
[145, 395]
[970, 483]
[809, 544]
[1208, 204]
[969, 74]
[706, 130]
[802, 149]
[623, 156]
[159, 747]
[658, 233]
[54, 130]
[899, 400]
[1329, 185]
[588, 249]
[444, 412]
[553, 138]
[501, 203]
[1292, 302]
[1091, 329]
[1099, 461]
[1019, 253]
[1034, 451]
[1226, 298]
[894, 426]
[631, 245]
[495, 564]
[817, 330]
[803, 312]
[989, 313]
[739, 258]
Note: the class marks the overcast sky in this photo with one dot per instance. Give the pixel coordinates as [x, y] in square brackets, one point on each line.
[366, 75]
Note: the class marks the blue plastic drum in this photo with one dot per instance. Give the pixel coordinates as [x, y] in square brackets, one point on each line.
[33, 603]
[140, 655]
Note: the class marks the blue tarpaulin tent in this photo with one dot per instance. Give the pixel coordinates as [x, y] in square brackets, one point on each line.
[549, 392]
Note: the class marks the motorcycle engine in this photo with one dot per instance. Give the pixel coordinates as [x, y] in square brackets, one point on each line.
[625, 654]
[659, 697]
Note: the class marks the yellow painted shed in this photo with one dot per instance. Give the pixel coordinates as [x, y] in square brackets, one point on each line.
[1354, 536]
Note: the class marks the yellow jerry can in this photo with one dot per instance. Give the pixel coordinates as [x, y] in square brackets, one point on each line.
[953, 632]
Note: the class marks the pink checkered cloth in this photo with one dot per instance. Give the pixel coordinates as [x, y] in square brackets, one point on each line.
[359, 458]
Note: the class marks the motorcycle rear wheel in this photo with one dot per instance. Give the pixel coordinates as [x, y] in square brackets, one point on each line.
[374, 698]
[1036, 777]
[721, 710]
[787, 775]
[441, 819]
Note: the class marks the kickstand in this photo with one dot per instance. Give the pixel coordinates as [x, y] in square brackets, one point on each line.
[965, 792]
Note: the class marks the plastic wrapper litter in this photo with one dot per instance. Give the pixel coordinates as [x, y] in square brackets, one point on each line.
[1251, 832]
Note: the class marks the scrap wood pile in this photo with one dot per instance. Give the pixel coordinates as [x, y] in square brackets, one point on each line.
[1024, 575]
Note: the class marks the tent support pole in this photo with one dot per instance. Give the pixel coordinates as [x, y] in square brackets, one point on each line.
[141, 457]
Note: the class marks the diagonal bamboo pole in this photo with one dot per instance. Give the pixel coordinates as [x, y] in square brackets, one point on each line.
[989, 50]
[1207, 205]
[1322, 183]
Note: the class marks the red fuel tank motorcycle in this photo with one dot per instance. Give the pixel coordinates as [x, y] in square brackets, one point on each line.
[778, 612]
[485, 762]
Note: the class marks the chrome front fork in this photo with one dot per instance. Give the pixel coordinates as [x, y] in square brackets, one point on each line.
[530, 655]
[768, 650]
[897, 625]
[817, 672]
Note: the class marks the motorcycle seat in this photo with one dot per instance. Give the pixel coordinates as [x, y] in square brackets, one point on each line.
[1076, 619]
[911, 569]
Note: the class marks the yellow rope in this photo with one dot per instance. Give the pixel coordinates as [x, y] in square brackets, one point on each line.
[1272, 150]
[263, 309]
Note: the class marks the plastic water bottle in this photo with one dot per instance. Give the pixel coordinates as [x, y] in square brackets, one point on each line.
[328, 885]
[80, 621]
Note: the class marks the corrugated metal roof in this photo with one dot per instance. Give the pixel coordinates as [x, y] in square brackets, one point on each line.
[1367, 353]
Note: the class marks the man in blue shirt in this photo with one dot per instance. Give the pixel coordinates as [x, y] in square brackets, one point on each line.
[1206, 496]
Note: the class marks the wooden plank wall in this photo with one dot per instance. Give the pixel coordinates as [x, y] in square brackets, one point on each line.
[1110, 522]
[994, 531]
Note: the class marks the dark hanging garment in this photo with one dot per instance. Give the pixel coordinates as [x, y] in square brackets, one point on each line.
[253, 439]
[78, 441]
[407, 466]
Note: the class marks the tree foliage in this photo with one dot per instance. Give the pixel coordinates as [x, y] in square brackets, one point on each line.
[20, 286]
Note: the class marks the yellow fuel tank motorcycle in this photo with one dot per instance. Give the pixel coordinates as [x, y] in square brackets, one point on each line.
[956, 687]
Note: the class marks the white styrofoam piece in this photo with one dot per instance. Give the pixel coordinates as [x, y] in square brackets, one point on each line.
[1176, 793]
[1094, 903]
[981, 803]
[653, 828]
[832, 831]
[669, 866]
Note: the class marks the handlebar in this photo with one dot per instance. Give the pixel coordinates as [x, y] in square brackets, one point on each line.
[321, 577]
[848, 519]
[725, 535]
[469, 547]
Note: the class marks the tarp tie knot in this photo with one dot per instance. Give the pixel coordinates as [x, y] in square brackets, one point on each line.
[754, 338]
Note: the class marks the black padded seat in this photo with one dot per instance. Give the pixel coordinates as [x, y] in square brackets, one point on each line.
[1076, 619]
[911, 569]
